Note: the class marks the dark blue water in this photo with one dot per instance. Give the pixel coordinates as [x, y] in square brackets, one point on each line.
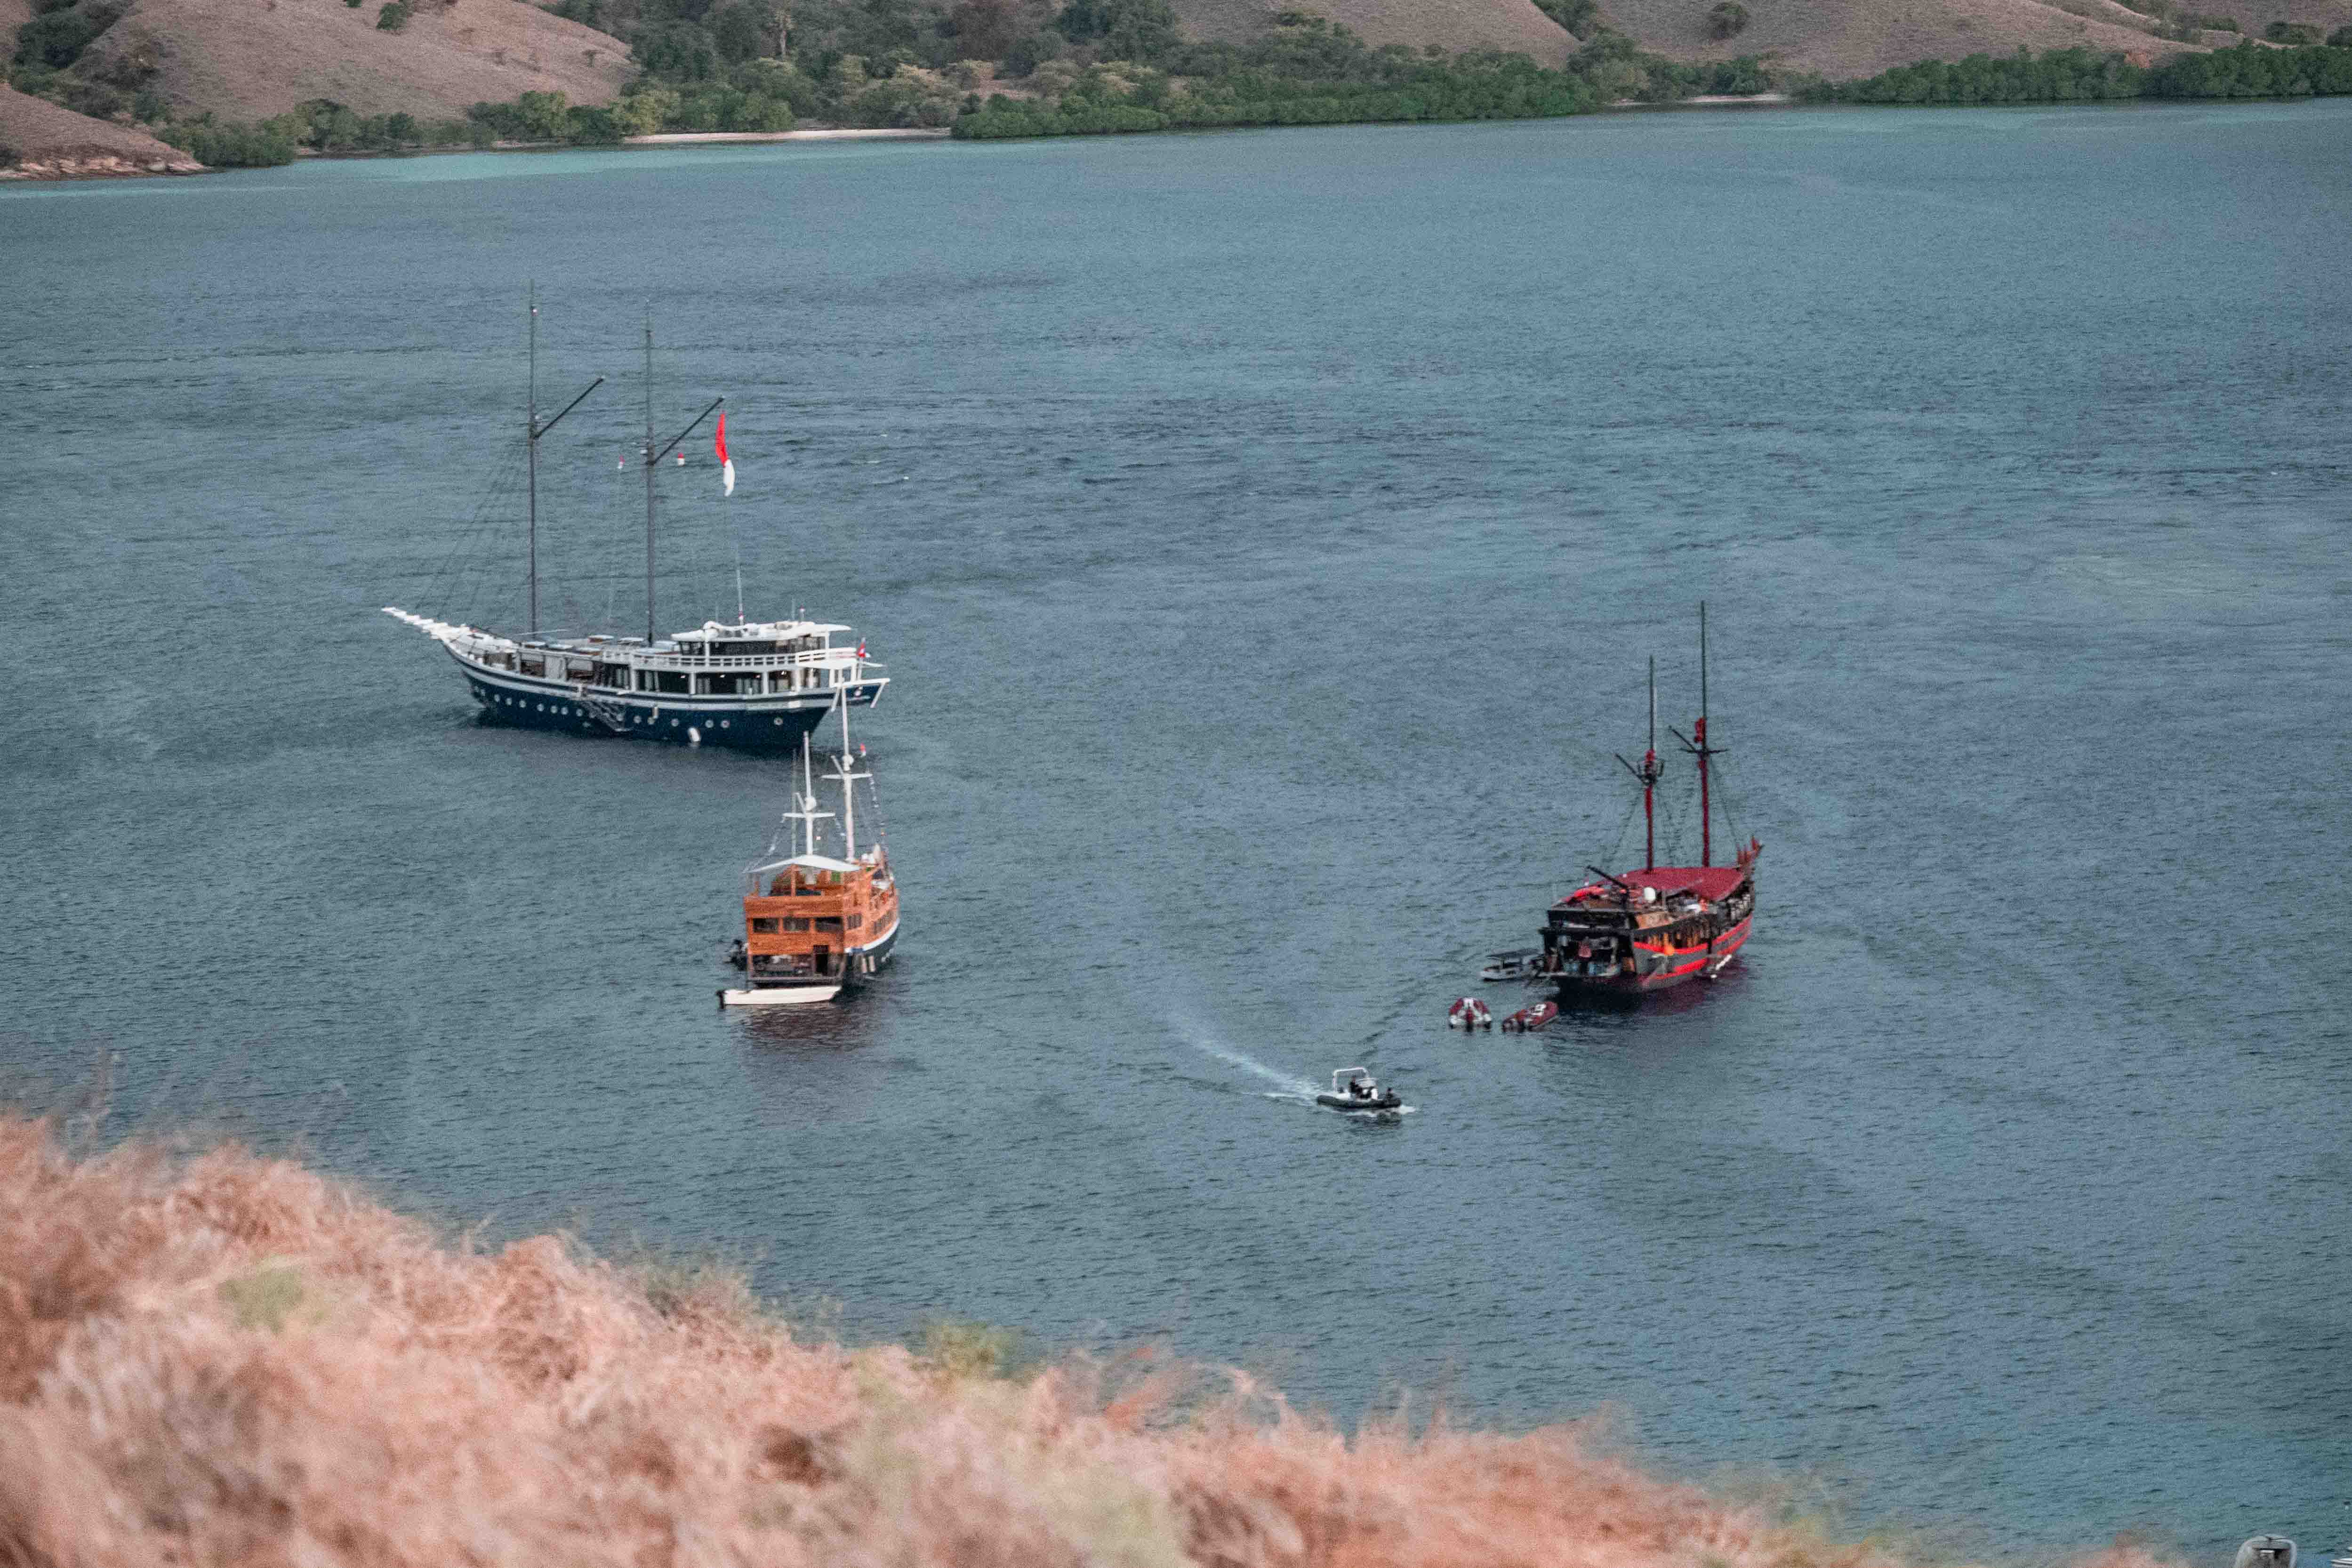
[1266, 534]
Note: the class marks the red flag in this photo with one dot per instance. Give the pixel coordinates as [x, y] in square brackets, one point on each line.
[726, 464]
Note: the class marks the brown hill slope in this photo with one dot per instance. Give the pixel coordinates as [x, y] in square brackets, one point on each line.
[228, 1360]
[247, 59]
[1861, 37]
[1455, 25]
[14, 14]
[1839, 38]
[43, 139]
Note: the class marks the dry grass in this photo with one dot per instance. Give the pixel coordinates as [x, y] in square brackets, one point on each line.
[1843, 38]
[40, 131]
[1516, 26]
[216, 1358]
[248, 60]
[1838, 38]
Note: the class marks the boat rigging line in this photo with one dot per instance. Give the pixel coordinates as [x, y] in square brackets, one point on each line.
[1647, 774]
[440, 588]
[532, 431]
[653, 461]
[1698, 747]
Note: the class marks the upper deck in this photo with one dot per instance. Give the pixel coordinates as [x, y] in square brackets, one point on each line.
[714, 659]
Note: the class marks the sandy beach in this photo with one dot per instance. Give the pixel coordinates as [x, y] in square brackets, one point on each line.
[684, 137]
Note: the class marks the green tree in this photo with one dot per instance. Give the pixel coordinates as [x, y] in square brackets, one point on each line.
[984, 29]
[394, 17]
[1727, 20]
[643, 113]
[1031, 50]
[677, 51]
[741, 30]
[55, 39]
[261, 146]
[1578, 16]
[1140, 30]
[541, 116]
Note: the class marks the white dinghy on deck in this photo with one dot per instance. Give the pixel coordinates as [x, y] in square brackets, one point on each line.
[778, 995]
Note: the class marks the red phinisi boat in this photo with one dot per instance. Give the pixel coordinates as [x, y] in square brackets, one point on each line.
[1637, 932]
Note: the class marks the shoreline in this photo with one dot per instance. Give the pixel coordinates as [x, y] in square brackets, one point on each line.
[846, 133]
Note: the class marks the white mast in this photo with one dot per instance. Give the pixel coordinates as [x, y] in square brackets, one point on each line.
[808, 814]
[848, 774]
[808, 799]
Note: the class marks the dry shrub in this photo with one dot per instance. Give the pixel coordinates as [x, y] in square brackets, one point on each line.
[225, 1358]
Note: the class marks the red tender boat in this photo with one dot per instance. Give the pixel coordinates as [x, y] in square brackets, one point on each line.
[1638, 932]
[1526, 1020]
[1469, 1013]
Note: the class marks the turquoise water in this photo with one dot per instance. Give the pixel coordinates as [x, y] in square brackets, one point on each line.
[1266, 532]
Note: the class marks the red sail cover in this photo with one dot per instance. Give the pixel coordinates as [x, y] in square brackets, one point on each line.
[1710, 882]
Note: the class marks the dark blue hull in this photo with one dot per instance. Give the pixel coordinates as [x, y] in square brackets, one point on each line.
[686, 721]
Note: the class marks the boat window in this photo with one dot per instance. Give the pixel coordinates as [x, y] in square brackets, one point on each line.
[534, 667]
[670, 681]
[795, 922]
[612, 675]
[578, 671]
[828, 923]
[764, 924]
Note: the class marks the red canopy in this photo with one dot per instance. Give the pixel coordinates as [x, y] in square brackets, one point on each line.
[1707, 881]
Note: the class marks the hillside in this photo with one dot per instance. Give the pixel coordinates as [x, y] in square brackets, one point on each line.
[43, 141]
[226, 1359]
[247, 59]
[1452, 25]
[1838, 38]
[1861, 37]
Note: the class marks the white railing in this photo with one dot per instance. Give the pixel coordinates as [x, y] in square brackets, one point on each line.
[839, 658]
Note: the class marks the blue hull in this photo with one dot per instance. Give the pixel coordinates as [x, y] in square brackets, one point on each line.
[686, 721]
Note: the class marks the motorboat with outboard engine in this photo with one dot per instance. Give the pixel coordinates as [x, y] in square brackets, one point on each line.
[2266, 1552]
[1353, 1089]
[1469, 1013]
[1526, 1020]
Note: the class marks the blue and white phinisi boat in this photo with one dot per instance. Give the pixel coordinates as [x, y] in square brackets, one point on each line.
[752, 685]
[756, 686]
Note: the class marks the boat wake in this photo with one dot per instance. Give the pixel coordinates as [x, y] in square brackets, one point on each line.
[1286, 1087]
[1290, 1089]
